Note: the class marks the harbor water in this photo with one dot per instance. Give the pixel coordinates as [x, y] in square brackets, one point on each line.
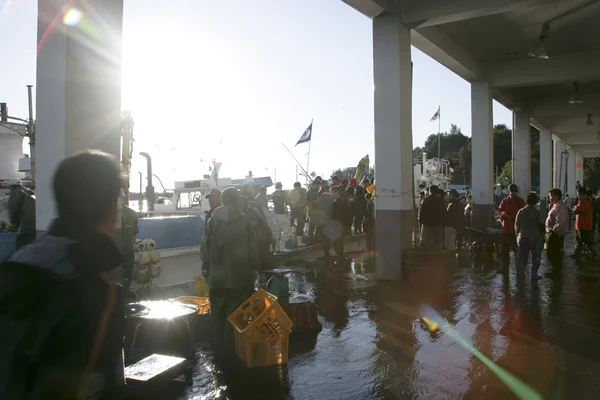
[480, 334]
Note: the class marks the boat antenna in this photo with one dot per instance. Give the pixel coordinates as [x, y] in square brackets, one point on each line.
[215, 171]
[161, 184]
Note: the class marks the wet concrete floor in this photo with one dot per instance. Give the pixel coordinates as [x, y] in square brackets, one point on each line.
[498, 336]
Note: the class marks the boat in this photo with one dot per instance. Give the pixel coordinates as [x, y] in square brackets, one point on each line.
[176, 224]
[14, 165]
[432, 171]
[189, 197]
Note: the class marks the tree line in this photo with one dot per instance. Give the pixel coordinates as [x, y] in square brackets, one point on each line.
[456, 147]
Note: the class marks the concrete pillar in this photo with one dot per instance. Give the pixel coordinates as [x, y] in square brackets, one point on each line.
[579, 168]
[78, 92]
[482, 141]
[559, 164]
[571, 167]
[521, 152]
[393, 144]
[545, 163]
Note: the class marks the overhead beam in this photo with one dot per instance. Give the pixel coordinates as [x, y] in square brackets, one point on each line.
[369, 8]
[442, 48]
[539, 125]
[569, 125]
[555, 106]
[529, 72]
[575, 139]
[586, 152]
[423, 13]
[509, 99]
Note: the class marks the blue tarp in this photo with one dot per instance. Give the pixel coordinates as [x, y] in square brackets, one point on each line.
[8, 244]
[171, 232]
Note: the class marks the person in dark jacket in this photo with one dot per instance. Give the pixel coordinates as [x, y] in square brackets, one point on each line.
[230, 246]
[263, 233]
[61, 316]
[21, 213]
[454, 221]
[584, 222]
[596, 209]
[357, 203]
[214, 201]
[312, 196]
[282, 218]
[320, 213]
[346, 198]
[334, 227]
[431, 217]
[248, 190]
[261, 197]
[369, 224]
[248, 194]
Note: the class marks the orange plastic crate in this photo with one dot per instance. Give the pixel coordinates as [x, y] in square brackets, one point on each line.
[262, 351]
[201, 286]
[260, 315]
[203, 303]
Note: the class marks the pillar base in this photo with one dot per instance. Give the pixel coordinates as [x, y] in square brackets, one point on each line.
[482, 216]
[393, 234]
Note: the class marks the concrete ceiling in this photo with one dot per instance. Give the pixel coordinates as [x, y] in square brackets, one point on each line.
[489, 40]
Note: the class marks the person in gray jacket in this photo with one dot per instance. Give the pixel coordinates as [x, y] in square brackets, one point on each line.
[21, 213]
[230, 251]
[530, 238]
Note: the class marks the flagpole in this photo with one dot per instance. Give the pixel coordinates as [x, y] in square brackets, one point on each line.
[439, 130]
[297, 163]
[309, 144]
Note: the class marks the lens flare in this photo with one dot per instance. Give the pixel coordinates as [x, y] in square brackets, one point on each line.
[72, 17]
[431, 326]
[520, 389]
[364, 256]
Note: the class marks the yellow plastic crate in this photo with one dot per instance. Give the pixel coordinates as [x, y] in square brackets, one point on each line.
[201, 286]
[261, 352]
[260, 316]
[203, 303]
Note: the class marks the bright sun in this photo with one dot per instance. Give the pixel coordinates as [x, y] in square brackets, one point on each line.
[189, 103]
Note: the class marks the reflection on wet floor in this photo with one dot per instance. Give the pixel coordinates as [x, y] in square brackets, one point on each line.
[375, 345]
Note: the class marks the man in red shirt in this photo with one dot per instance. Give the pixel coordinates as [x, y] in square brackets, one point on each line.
[584, 223]
[509, 207]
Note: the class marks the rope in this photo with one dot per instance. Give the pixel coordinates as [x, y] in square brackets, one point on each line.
[394, 193]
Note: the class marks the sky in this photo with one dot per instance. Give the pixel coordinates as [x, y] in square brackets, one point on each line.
[233, 80]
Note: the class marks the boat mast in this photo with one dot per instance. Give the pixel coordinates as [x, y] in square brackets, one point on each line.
[126, 150]
[215, 171]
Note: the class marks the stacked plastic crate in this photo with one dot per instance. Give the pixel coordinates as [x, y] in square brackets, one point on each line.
[262, 331]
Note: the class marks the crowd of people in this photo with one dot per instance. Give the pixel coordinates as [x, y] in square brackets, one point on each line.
[526, 234]
[443, 218]
[70, 344]
[323, 214]
[238, 239]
